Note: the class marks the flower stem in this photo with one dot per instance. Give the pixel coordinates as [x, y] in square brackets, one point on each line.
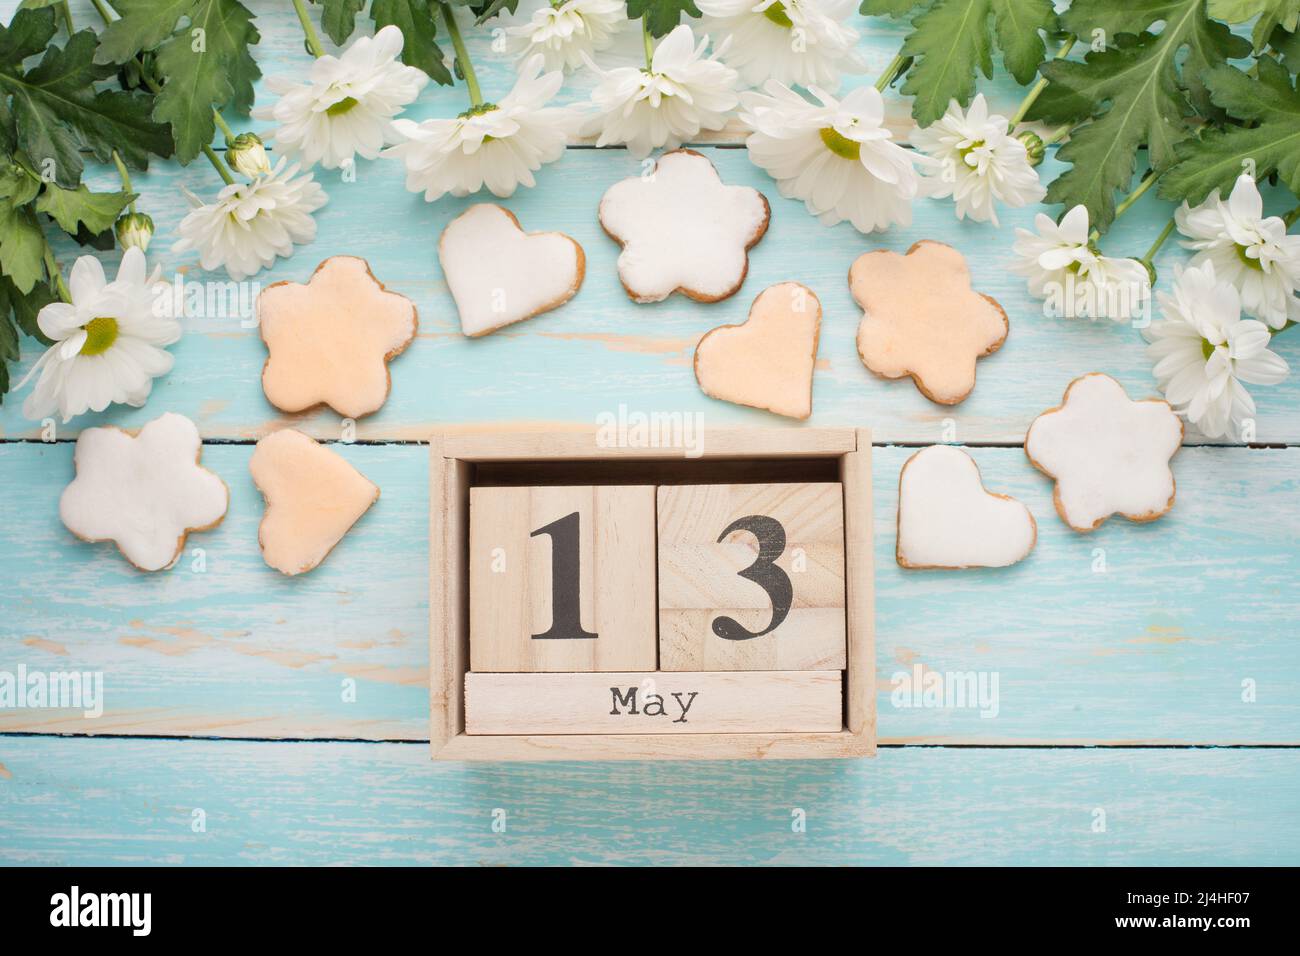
[895, 67]
[1147, 182]
[1160, 241]
[102, 9]
[1291, 217]
[462, 56]
[1056, 135]
[1041, 85]
[218, 165]
[309, 31]
[66, 11]
[124, 176]
[56, 276]
[223, 126]
[648, 42]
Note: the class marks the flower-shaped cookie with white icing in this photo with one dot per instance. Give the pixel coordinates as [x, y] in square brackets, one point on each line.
[922, 318]
[1108, 453]
[329, 341]
[144, 492]
[683, 229]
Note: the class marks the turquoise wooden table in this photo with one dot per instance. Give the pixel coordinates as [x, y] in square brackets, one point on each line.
[1148, 676]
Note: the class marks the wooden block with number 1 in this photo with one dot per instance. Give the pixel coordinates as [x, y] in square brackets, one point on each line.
[562, 578]
[751, 577]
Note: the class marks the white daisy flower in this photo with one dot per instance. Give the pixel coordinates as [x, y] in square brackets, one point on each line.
[564, 33]
[681, 93]
[1253, 253]
[1064, 267]
[252, 223]
[346, 107]
[795, 42]
[109, 341]
[977, 162]
[1204, 350]
[498, 145]
[837, 157]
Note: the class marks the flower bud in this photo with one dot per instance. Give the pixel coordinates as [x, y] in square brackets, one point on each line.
[245, 154]
[1034, 147]
[134, 230]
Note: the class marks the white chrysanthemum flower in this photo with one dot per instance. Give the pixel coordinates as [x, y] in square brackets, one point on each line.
[346, 107]
[977, 162]
[681, 93]
[1063, 266]
[1204, 350]
[252, 223]
[109, 341]
[498, 145]
[795, 42]
[837, 157]
[564, 33]
[1253, 253]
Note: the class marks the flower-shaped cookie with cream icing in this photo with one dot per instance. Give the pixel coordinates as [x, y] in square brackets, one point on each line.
[1108, 453]
[683, 229]
[329, 341]
[923, 319]
[144, 492]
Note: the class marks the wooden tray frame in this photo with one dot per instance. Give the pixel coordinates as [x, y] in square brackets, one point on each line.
[456, 460]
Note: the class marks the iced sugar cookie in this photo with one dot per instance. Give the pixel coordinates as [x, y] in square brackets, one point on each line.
[313, 496]
[946, 519]
[144, 492]
[767, 361]
[683, 229]
[329, 341]
[921, 318]
[1108, 453]
[499, 274]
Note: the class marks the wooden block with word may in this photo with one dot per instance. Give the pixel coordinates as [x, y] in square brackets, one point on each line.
[562, 578]
[751, 577]
[654, 703]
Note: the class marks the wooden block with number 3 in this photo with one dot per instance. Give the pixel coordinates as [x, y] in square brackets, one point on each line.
[751, 577]
[562, 578]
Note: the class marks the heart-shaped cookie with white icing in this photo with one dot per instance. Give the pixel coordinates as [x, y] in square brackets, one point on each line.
[767, 361]
[499, 274]
[946, 518]
[313, 497]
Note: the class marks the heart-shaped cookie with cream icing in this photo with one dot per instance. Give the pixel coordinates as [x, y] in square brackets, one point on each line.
[313, 497]
[498, 274]
[768, 360]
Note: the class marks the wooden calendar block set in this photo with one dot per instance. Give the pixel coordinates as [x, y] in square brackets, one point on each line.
[594, 602]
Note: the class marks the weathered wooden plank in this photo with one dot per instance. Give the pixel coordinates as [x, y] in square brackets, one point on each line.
[601, 352]
[238, 649]
[134, 802]
[1155, 648]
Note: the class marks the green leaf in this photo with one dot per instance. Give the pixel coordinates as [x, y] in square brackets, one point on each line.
[1287, 44]
[68, 207]
[22, 246]
[143, 25]
[1018, 23]
[206, 65]
[415, 19]
[1271, 14]
[1134, 93]
[338, 18]
[8, 347]
[17, 185]
[951, 39]
[27, 307]
[57, 112]
[888, 8]
[1215, 161]
[661, 16]
[486, 11]
[28, 33]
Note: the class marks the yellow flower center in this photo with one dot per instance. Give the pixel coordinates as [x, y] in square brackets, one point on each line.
[776, 13]
[1250, 262]
[341, 107]
[841, 145]
[101, 333]
[964, 153]
[1207, 348]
